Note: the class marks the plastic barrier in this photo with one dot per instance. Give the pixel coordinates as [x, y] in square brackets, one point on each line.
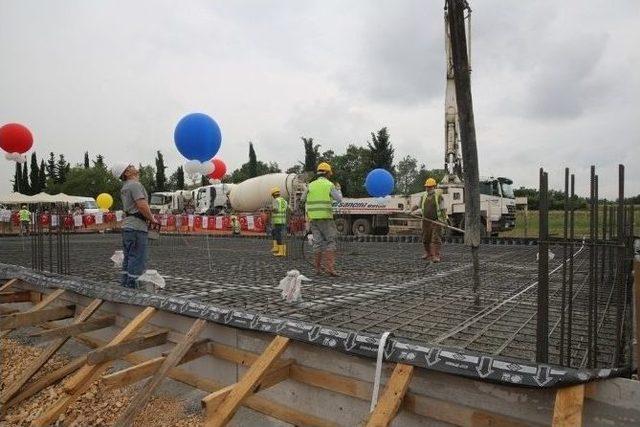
[197, 223]
[88, 219]
[15, 219]
[44, 219]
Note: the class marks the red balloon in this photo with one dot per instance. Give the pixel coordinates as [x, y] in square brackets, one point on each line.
[15, 138]
[221, 169]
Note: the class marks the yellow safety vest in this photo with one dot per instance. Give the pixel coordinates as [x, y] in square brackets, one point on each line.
[25, 215]
[279, 215]
[437, 196]
[318, 204]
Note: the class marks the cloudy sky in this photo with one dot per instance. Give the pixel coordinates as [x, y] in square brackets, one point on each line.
[554, 84]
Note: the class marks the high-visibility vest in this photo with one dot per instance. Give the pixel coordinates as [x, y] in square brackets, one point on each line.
[318, 204]
[24, 215]
[279, 214]
[436, 196]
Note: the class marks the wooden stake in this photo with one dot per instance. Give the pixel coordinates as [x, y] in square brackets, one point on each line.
[81, 381]
[389, 403]
[248, 383]
[171, 360]
[567, 411]
[46, 354]
[114, 352]
[8, 284]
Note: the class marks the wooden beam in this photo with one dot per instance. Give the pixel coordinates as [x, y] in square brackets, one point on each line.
[76, 385]
[114, 352]
[389, 403]
[74, 329]
[45, 381]
[40, 305]
[567, 411]
[46, 355]
[6, 311]
[31, 318]
[177, 353]
[146, 369]
[248, 383]
[8, 284]
[15, 296]
[272, 377]
[239, 356]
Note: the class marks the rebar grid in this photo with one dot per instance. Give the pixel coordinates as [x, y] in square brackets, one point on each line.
[382, 287]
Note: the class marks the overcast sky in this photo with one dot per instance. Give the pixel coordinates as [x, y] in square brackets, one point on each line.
[554, 83]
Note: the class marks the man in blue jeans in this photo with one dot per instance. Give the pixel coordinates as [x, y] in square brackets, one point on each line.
[134, 228]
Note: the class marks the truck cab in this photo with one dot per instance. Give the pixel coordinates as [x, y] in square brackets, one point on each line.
[212, 199]
[160, 202]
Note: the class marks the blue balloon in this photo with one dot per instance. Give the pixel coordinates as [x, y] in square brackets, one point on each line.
[379, 183]
[197, 137]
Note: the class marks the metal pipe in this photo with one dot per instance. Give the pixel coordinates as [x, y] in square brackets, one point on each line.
[542, 323]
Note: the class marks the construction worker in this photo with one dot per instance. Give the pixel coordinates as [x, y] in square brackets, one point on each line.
[318, 205]
[25, 219]
[235, 225]
[279, 208]
[431, 205]
[135, 203]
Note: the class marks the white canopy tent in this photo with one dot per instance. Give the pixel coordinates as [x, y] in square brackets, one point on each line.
[18, 198]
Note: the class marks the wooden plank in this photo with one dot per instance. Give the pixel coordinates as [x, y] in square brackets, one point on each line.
[74, 329]
[8, 284]
[40, 305]
[32, 318]
[239, 356]
[16, 296]
[389, 403]
[46, 355]
[273, 376]
[146, 369]
[249, 382]
[6, 311]
[114, 352]
[567, 411]
[177, 353]
[45, 381]
[80, 382]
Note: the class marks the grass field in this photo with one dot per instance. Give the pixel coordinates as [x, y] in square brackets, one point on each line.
[556, 223]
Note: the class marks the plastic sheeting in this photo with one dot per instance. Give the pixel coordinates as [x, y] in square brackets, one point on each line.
[291, 286]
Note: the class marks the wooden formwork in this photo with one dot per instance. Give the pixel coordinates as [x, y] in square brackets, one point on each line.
[264, 370]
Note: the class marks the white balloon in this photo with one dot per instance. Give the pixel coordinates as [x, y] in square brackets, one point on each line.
[9, 156]
[207, 168]
[192, 167]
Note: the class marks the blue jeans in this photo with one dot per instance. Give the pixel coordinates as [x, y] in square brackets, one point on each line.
[134, 249]
[277, 232]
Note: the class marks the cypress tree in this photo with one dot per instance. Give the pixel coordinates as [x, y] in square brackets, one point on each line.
[253, 162]
[35, 175]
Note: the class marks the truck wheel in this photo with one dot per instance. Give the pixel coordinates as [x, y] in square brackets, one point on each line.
[361, 226]
[342, 224]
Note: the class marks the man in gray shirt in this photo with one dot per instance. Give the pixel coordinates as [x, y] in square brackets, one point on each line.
[134, 228]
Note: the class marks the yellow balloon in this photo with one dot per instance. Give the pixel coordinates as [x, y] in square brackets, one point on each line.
[104, 201]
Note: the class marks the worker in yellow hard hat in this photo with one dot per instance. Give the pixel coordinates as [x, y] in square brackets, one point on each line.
[318, 205]
[431, 207]
[25, 220]
[279, 208]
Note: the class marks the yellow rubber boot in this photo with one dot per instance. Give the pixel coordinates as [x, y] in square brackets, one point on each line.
[281, 250]
[275, 248]
[284, 250]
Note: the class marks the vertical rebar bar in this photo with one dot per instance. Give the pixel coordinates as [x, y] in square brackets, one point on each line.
[590, 320]
[596, 286]
[542, 324]
[570, 284]
[564, 264]
[620, 267]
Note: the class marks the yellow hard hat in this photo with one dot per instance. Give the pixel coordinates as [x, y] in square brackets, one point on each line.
[275, 190]
[324, 167]
[430, 182]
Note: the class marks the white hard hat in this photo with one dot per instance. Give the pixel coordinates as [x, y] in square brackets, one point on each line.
[118, 169]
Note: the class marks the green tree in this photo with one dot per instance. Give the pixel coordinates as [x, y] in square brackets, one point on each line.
[350, 169]
[244, 172]
[17, 177]
[297, 169]
[161, 179]
[311, 154]
[35, 175]
[90, 182]
[253, 161]
[24, 180]
[62, 168]
[176, 180]
[42, 177]
[147, 178]
[407, 172]
[204, 180]
[86, 160]
[381, 150]
[99, 162]
[51, 166]
[423, 174]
